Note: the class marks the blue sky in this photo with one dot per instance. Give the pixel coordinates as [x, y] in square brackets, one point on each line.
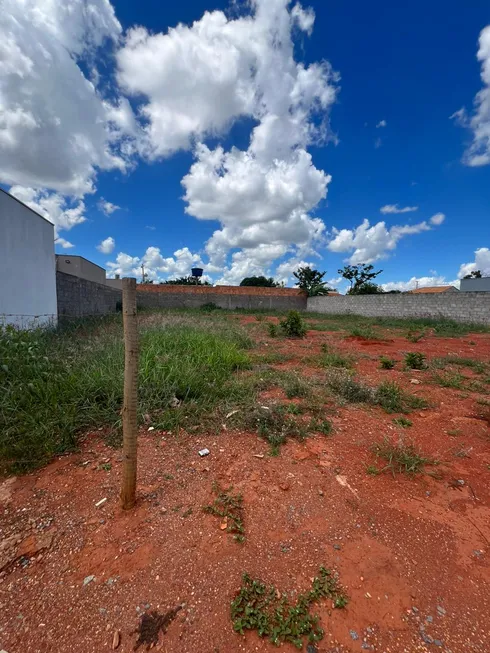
[376, 118]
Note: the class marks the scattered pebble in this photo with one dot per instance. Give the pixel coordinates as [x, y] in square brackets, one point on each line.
[437, 642]
[88, 579]
[441, 610]
[101, 502]
[204, 452]
[353, 634]
[429, 619]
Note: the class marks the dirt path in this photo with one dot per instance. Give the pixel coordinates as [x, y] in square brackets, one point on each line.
[413, 554]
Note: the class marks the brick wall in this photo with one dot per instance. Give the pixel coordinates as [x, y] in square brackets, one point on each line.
[230, 297]
[78, 297]
[459, 306]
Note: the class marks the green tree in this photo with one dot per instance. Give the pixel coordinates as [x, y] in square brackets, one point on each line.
[366, 288]
[262, 282]
[186, 281]
[476, 274]
[358, 275]
[311, 281]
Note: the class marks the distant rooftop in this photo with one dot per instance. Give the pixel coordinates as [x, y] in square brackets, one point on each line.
[432, 289]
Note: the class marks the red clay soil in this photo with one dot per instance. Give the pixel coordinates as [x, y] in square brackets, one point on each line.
[412, 553]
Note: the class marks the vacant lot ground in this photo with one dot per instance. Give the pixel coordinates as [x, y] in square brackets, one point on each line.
[349, 450]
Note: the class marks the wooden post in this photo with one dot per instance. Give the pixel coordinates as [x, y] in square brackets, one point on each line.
[129, 415]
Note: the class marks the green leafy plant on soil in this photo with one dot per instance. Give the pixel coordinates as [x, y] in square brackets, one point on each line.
[415, 335]
[372, 470]
[273, 329]
[272, 423]
[293, 325]
[229, 507]
[389, 395]
[401, 457]
[321, 426]
[415, 360]
[274, 615]
[386, 363]
[403, 422]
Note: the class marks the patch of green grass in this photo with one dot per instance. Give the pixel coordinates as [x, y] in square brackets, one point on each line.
[321, 426]
[389, 395]
[294, 385]
[372, 470]
[394, 399]
[415, 335]
[415, 360]
[449, 380]
[280, 617]
[273, 329]
[55, 384]
[386, 363]
[440, 326]
[273, 424]
[365, 331]
[333, 358]
[478, 366]
[403, 422]
[401, 457]
[229, 507]
[293, 325]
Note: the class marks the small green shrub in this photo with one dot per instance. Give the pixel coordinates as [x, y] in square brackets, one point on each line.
[394, 399]
[388, 395]
[209, 307]
[336, 359]
[274, 425]
[415, 360]
[229, 507]
[273, 329]
[414, 335]
[401, 457]
[321, 426]
[386, 363]
[403, 422]
[449, 380]
[293, 325]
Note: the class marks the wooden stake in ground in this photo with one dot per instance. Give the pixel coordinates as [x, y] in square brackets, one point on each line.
[129, 415]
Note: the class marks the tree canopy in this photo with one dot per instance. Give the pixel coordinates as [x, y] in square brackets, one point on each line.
[186, 281]
[360, 278]
[262, 282]
[476, 274]
[311, 281]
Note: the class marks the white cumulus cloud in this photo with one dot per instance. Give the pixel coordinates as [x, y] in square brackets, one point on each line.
[54, 207]
[478, 153]
[437, 219]
[157, 267]
[54, 128]
[107, 245]
[394, 208]
[381, 123]
[196, 80]
[418, 282]
[106, 207]
[371, 243]
[481, 262]
[62, 242]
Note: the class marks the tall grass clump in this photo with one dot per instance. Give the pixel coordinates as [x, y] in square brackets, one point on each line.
[389, 395]
[56, 384]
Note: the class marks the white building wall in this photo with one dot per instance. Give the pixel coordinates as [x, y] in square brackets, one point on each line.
[27, 265]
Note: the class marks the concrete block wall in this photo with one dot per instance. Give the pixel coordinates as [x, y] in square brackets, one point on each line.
[458, 306]
[229, 297]
[79, 297]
